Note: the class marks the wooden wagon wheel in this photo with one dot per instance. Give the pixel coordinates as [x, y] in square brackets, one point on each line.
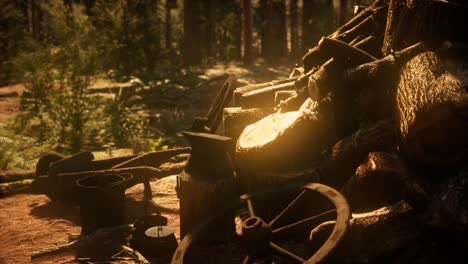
[258, 234]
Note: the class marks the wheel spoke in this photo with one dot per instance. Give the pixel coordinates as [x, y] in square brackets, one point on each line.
[286, 208]
[287, 253]
[302, 221]
[250, 207]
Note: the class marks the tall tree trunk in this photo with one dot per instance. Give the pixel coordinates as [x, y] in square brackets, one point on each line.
[247, 11]
[238, 33]
[192, 51]
[168, 33]
[209, 7]
[274, 41]
[317, 21]
[293, 27]
[342, 14]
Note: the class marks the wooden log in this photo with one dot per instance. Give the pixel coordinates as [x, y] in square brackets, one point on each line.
[12, 176]
[238, 92]
[377, 182]
[432, 109]
[432, 22]
[299, 135]
[9, 188]
[372, 24]
[346, 155]
[284, 95]
[371, 45]
[373, 235]
[362, 24]
[152, 159]
[363, 94]
[366, 12]
[264, 97]
[293, 102]
[344, 52]
[235, 119]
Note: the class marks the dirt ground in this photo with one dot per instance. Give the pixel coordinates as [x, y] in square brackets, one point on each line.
[30, 222]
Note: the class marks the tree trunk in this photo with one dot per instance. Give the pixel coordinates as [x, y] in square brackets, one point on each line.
[168, 33]
[294, 28]
[248, 38]
[317, 21]
[192, 51]
[342, 14]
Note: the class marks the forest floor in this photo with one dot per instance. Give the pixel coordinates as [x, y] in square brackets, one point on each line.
[30, 221]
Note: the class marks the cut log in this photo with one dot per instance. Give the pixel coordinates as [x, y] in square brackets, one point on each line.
[12, 176]
[346, 155]
[378, 182]
[284, 140]
[235, 119]
[372, 235]
[238, 92]
[432, 108]
[264, 97]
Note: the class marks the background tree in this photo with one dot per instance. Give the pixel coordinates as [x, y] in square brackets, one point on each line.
[317, 21]
[247, 12]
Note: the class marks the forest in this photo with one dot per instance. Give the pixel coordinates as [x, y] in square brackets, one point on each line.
[57, 50]
[234, 131]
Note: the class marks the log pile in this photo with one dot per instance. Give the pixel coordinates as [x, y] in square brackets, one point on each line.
[379, 110]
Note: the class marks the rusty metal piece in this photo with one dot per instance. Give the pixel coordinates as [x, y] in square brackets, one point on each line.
[75, 163]
[159, 241]
[258, 235]
[102, 201]
[42, 166]
[66, 181]
[152, 159]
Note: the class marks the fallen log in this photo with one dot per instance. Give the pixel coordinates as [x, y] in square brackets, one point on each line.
[12, 176]
[363, 94]
[378, 182]
[264, 97]
[235, 119]
[15, 187]
[373, 235]
[360, 24]
[432, 109]
[238, 92]
[345, 156]
[281, 96]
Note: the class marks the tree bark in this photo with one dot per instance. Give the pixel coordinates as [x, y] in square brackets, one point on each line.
[192, 51]
[248, 37]
[293, 26]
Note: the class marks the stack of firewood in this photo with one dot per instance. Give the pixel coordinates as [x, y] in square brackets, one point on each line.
[379, 110]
